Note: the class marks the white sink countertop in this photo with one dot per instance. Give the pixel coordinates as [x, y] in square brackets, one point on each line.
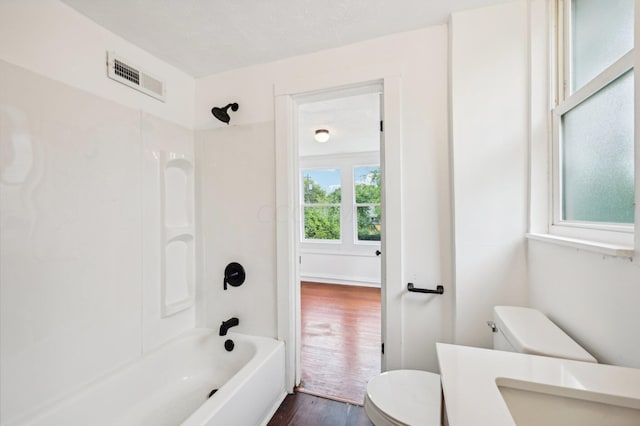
[472, 396]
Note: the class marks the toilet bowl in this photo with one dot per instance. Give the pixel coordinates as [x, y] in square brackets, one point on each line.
[404, 398]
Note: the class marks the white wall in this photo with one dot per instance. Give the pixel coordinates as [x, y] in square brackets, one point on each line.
[236, 185]
[489, 146]
[339, 267]
[421, 58]
[52, 39]
[79, 292]
[594, 298]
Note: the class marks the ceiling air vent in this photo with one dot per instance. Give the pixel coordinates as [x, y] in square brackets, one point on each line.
[124, 72]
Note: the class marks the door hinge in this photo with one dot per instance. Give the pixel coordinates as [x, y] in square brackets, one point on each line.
[383, 348]
[381, 126]
[300, 260]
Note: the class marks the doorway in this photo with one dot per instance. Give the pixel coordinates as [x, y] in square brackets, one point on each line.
[339, 243]
[340, 345]
[287, 95]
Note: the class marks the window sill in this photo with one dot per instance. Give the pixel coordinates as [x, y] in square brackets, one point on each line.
[592, 246]
[355, 253]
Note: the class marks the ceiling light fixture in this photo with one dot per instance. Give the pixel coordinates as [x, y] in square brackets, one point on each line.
[322, 135]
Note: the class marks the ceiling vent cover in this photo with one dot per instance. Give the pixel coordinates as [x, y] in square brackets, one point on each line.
[124, 72]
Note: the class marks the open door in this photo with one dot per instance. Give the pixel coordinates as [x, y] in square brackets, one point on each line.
[288, 209]
[339, 247]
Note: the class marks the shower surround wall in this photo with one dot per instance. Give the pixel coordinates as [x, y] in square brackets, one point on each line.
[80, 253]
[168, 227]
[80, 257]
[236, 173]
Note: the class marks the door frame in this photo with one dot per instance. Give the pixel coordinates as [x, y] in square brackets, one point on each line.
[287, 218]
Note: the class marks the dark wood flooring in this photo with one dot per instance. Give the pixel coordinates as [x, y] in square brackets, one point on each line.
[302, 409]
[340, 346]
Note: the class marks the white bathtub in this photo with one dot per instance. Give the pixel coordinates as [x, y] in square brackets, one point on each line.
[169, 386]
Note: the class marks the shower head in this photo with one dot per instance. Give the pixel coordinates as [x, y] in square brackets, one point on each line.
[222, 114]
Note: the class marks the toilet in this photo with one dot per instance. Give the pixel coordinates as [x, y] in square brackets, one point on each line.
[529, 331]
[404, 397]
[414, 397]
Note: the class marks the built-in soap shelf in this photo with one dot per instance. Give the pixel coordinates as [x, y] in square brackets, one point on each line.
[177, 229]
[177, 233]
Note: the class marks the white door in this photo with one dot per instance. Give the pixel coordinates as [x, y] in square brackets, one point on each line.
[408, 320]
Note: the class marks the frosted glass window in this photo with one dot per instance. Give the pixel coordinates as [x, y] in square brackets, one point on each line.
[598, 156]
[602, 32]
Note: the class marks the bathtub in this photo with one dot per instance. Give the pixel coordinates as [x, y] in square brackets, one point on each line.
[170, 386]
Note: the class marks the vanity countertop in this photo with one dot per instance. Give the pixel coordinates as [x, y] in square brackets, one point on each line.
[472, 396]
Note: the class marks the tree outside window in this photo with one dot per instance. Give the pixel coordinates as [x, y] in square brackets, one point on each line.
[367, 202]
[321, 204]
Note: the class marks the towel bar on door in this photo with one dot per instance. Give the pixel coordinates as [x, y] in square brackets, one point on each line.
[439, 289]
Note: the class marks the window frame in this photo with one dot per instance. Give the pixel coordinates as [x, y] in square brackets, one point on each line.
[356, 240]
[345, 162]
[304, 204]
[565, 101]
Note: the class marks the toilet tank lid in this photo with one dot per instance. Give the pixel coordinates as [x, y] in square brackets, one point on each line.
[529, 331]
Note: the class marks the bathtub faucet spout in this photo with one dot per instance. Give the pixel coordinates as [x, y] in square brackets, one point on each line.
[226, 325]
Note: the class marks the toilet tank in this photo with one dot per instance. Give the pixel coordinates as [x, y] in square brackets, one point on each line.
[529, 331]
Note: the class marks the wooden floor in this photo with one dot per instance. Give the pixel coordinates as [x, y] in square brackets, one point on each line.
[340, 340]
[301, 409]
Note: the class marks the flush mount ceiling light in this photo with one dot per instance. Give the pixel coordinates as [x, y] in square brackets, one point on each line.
[322, 135]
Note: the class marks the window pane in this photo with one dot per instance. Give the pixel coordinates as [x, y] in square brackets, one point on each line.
[598, 173]
[369, 223]
[322, 223]
[602, 32]
[321, 186]
[367, 182]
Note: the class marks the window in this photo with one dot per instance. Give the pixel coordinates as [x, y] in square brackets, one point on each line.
[367, 203]
[593, 131]
[321, 204]
[340, 202]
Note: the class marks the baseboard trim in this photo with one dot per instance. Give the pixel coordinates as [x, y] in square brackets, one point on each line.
[338, 281]
[331, 397]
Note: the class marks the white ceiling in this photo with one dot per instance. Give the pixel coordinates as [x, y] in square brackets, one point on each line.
[352, 121]
[203, 37]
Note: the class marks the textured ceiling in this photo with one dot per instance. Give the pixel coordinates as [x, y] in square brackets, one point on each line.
[203, 37]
